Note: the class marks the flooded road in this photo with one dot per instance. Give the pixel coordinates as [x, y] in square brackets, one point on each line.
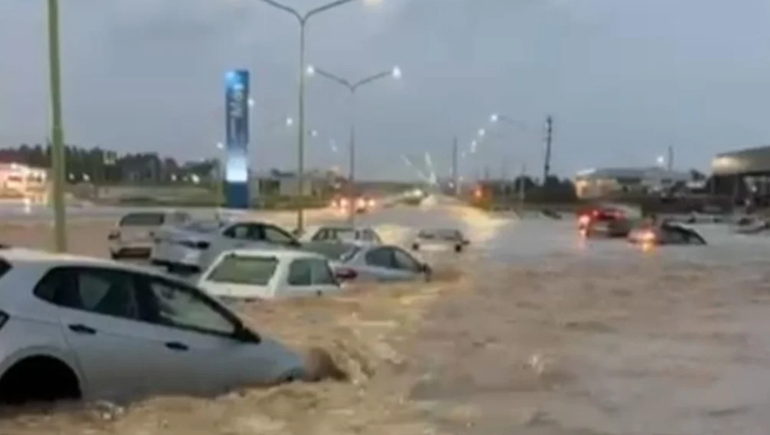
[531, 331]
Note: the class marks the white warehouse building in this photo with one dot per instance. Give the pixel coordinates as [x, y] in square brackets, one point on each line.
[594, 183]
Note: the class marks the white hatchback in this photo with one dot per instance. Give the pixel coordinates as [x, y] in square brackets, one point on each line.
[253, 274]
[77, 327]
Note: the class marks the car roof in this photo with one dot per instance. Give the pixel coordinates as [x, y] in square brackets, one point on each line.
[16, 256]
[290, 254]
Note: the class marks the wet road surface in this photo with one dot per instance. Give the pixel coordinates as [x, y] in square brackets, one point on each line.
[542, 333]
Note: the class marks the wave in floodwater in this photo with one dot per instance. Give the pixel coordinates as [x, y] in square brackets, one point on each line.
[526, 333]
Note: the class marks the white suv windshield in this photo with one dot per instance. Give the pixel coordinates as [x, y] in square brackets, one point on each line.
[245, 270]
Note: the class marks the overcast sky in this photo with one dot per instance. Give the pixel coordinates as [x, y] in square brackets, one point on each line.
[623, 79]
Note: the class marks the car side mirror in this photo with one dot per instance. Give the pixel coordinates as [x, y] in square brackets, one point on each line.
[245, 335]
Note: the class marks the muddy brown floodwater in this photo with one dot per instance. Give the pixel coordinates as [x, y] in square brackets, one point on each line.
[566, 343]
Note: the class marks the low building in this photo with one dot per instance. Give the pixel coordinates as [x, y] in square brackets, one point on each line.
[278, 183]
[596, 183]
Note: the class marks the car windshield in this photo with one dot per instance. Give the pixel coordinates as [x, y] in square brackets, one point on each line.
[333, 251]
[142, 220]
[244, 270]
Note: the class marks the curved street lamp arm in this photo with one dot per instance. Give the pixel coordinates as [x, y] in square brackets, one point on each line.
[334, 78]
[322, 8]
[285, 8]
[372, 78]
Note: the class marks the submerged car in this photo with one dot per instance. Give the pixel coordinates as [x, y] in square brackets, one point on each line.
[134, 233]
[86, 328]
[193, 247]
[667, 233]
[365, 262]
[604, 222]
[341, 233]
[254, 274]
[433, 239]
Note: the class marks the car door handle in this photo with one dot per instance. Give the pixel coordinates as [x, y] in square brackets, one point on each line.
[82, 329]
[175, 345]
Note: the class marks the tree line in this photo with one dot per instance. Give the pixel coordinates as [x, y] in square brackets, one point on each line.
[109, 167]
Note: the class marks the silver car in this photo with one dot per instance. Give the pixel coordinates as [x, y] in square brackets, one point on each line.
[341, 233]
[193, 247]
[365, 262]
[78, 327]
[134, 233]
[434, 239]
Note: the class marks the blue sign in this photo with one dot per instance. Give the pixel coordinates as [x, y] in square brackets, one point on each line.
[237, 139]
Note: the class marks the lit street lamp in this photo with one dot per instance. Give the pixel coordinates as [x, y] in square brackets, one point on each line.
[302, 19]
[58, 168]
[353, 87]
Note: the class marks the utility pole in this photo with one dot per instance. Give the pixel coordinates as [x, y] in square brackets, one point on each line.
[670, 159]
[548, 140]
[455, 165]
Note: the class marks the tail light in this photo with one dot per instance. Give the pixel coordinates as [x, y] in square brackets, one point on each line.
[195, 245]
[343, 203]
[371, 203]
[345, 274]
[584, 220]
[114, 235]
[361, 203]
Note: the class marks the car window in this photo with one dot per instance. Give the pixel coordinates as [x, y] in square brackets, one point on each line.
[322, 234]
[349, 254]
[142, 220]
[300, 272]
[382, 257]
[276, 235]
[244, 270]
[322, 274]
[405, 261]
[238, 231]
[99, 291]
[181, 307]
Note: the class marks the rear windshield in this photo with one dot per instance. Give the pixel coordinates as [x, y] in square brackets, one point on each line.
[332, 251]
[246, 270]
[143, 220]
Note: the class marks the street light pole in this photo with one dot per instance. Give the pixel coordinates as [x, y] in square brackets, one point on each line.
[302, 20]
[58, 165]
[352, 87]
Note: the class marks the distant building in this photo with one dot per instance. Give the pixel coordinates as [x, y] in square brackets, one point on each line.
[279, 183]
[595, 183]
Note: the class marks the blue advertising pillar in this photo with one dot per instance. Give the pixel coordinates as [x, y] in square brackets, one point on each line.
[237, 137]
